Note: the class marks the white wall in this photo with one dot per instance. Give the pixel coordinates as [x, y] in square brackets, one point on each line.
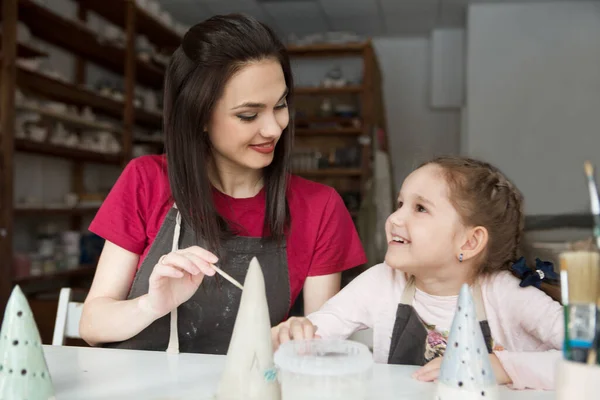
[415, 130]
[533, 93]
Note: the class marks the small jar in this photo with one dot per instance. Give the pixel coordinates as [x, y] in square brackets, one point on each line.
[321, 369]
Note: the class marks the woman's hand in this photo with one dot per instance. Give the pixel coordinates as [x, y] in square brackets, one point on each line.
[176, 278]
[295, 328]
[430, 371]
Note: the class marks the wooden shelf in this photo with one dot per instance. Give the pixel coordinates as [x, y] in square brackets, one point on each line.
[328, 49]
[328, 131]
[147, 141]
[67, 92]
[330, 172]
[72, 94]
[147, 25]
[82, 271]
[52, 150]
[72, 120]
[77, 211]
[346, 122]
[26, 51]
[328, 90]
[151, 119]
[77, 38]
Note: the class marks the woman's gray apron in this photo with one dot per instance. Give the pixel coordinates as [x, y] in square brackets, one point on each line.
[204, 323]
[409, 337]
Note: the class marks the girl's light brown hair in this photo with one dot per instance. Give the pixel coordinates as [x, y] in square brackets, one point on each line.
[483, 196]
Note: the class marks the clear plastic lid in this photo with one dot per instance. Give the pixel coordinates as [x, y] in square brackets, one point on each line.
[324, 357]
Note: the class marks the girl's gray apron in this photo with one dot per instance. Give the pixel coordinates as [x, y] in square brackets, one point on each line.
[409, 336]
[204, 324]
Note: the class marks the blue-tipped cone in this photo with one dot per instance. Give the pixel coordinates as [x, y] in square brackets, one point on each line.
[466, 372]
[23, 370]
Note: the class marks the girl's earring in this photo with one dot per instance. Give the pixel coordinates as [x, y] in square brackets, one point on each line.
[460, 257]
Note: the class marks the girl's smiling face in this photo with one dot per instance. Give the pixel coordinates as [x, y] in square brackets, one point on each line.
[425, 233]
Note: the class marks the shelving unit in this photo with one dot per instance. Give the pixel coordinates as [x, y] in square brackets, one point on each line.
[80, 211]
[328, 49]
[48, 149]
[327, 133]
[119, 13]
[75, 37]
[72, 120]
[331, 132]
[81, 96]
[320, 91]
[26, 51]
[80, 40]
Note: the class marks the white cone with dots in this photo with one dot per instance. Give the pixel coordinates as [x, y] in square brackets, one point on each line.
[466, 372]
[23, 371]
[249, 372]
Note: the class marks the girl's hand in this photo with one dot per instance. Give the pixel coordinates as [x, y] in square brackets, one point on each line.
[430, 371]
[501, 376]
[295, 328]
[176, 278]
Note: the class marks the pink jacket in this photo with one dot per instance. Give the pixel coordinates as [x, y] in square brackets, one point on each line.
[526, 324]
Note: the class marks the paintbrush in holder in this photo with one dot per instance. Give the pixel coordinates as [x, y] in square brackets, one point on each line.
[580, 286]
[593, 357]
[580, 272]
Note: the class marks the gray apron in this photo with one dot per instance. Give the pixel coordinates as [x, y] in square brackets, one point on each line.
[204, 323]
[409, 337]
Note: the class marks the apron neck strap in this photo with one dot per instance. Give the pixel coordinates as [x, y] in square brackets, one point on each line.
[409, 294]
[478, 300]
[409, 291]
[173, 347]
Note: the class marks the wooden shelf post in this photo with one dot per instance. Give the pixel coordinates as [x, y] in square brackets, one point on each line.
[7, 124]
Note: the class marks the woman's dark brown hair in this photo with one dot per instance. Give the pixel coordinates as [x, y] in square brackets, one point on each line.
[210, 54]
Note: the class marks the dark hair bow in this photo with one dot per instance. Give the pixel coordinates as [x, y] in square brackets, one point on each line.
[544, 271]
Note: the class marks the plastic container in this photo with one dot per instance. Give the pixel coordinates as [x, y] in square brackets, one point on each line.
[324, 370]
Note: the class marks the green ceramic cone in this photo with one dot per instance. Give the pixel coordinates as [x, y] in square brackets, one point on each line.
[23, 371]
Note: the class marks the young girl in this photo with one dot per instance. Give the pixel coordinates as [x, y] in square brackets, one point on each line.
[458, 220]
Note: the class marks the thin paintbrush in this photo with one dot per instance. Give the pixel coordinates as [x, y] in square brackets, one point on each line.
[226, 276]
[594, 200]
[583, 271]
[564, 292]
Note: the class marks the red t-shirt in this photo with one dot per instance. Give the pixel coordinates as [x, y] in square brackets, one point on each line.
[322, 238]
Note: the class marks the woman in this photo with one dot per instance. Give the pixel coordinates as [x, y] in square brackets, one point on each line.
[222, 195]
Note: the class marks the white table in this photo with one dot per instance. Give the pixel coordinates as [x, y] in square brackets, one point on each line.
[82, 373]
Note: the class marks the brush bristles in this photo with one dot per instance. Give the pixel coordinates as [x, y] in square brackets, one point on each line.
[583, 273]
[589, 169]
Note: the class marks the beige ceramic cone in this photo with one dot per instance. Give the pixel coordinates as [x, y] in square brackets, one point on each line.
[23, 370]
[249, 372]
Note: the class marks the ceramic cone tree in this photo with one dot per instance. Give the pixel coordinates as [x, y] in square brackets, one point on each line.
[249, 370]
[466, 372]
[23, 370]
